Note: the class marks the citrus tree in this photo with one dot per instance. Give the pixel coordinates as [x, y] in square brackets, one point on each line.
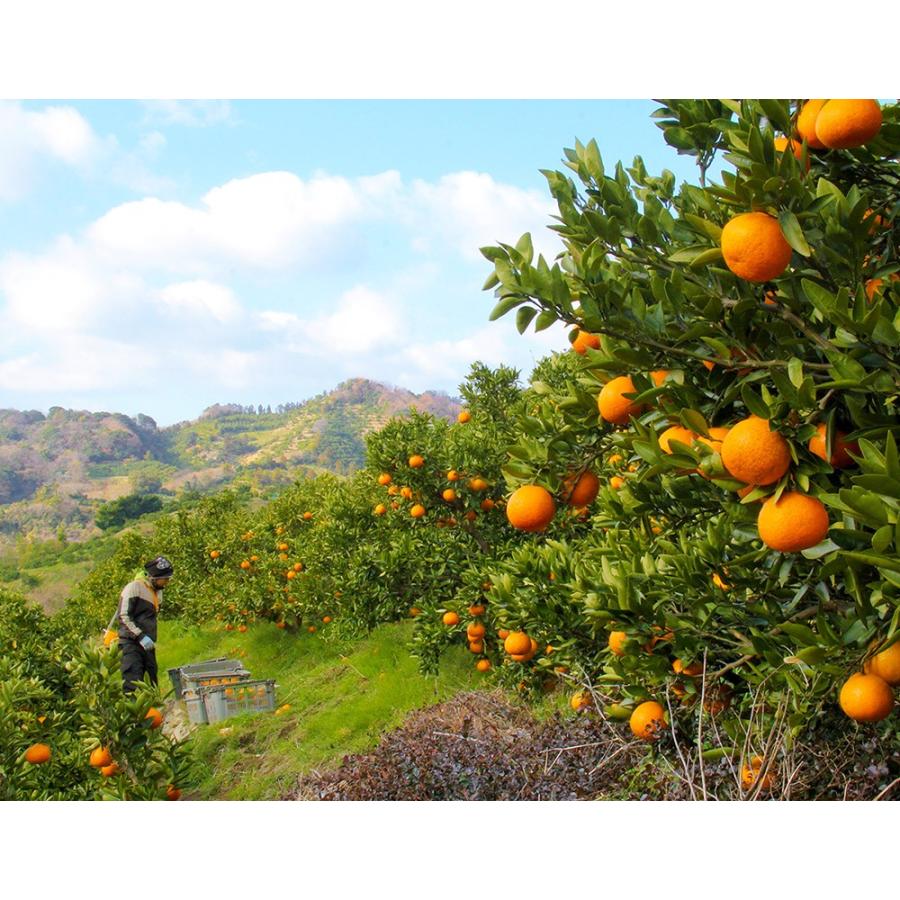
[734, 395]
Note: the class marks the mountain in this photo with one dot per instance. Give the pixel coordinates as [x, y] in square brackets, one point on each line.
[57, 469]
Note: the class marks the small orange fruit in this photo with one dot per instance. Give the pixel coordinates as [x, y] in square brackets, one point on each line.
[692, 669]
[155, 716]
[476, 609]
[100, 757]
[483, 665]
[616, 483]
[450, 618]
[417, 511]
[782, 143]
[613, 405]
[886, 664]
[796, 522]
[449, 495]
[866, 698]
[530, 508]
[582, 491]
[245, 564]
[754, 247]
[478, 484]
[311, 629]
[384, 478]
[648, 720]
[37, 754]
[517, 643]
[487, 504]
[416, 461]
[476, 646]
[110, 770]
[876, 286]
[676, 433]
[214, 554]
[475, 631]
[806, 123]
[326, 619]
[585, 339]
[580, 700]
[840, 450]
[750, 775]
[659, 376]
[453, 475]
[414, 611]
[380, 509]
[844, 124]
[464, 417]
[242, 628]
[616, 642]
[755, 454]
[503, 634]
[172, 792]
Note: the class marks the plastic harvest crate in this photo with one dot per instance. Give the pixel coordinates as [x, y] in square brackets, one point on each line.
[209, 665]
[195, 682]
[224, 701]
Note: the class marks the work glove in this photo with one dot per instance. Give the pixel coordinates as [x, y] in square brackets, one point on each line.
[147, 642]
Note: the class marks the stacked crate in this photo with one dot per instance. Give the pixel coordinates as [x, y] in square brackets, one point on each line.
[219, 688]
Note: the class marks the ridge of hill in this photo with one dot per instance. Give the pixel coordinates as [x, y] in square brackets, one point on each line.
[57, 469]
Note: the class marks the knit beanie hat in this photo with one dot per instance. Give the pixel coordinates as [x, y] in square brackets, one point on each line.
[159, 568]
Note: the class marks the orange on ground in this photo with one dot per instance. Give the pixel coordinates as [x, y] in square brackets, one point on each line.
[384, 478]
[307, 516]
[517, 643]
[866, 698]
[417, 511]
[754, 247]
[155, 716]
[483, 665]
[450, 618]
[796, 522]
[530, 508]
[100, 757]
[750, 775]
[755, 454]
[580, 700]
[583, 491]
[464, 417]
[844, 124]
[616, 642]
[38, 754]
[416, 461]
[676, 433]
[806, 123]
[614, 407]
[648, 720]
[616, 482]
[326, 619]
[840, 457]
[886, 664]
[585, 339]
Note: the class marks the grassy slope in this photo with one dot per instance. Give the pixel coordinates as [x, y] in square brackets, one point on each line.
[343, 696]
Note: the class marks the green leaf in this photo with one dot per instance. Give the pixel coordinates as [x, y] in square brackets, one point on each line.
[491, 282]
[713, 255]
[883, 538]
[793, 233]
[873, 559]
[818, 296]
[801, 633]
[504, 306]
[525, 248]
[545, 320]
[524, 317]
[795, 371]
[704, 226]
[754, 402]
[695, 421]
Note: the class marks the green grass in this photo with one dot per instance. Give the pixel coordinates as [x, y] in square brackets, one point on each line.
[343, 697]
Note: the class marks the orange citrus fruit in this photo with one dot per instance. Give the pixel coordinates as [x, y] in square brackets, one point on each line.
[100, 757]
[530, 508]
[750, 775]
[866, 698]
[755, 454]
[616, 642]
[844, 124]
[582, 491]
[840, 450]
[648, 720]
[585, 339]
[417, 511]
[155, 716]
[37, 754]
[581, 700]
[806, 123]
[464, 417]
[754, 247]
[613, 405]
[517, 643]
[796, 522]
[483, 665]
[886, 664]
[416, 461]
[384, 478]
[450, 618]
[676, 433]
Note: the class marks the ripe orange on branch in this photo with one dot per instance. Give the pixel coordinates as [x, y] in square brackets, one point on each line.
[866, 698]
[755, 454]
[840, 450]
[806, 123]
[754, 247]
[582, 491]
[450, 618]
[585, 339]
[37, 754]
[676, 433]
[795, 522]
[530, 508]
[464, 417]
[886, 664]
[614, 407]
[517, 643]
[844, 124]
[100, 756]
[416, 461]
[648, 720]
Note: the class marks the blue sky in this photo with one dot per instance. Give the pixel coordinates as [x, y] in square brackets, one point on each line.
[159, 257]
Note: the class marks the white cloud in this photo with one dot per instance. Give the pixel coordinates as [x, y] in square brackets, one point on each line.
[201, 299]
[361, 323]
[224, 367]
[78, 363]
[193, 113]
[28, 137]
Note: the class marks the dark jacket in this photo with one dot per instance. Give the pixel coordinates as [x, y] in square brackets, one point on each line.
[138, 608]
